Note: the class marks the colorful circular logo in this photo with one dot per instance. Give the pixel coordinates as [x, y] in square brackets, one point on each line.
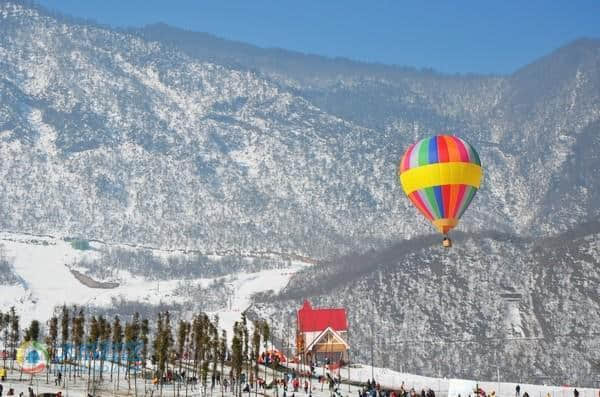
[32, 357]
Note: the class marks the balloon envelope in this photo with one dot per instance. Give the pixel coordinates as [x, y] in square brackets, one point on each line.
[441, 175]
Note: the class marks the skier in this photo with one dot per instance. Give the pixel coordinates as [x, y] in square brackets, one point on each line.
[518, 391]
[575, 393]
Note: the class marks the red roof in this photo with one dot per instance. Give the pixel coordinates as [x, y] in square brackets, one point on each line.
[310, 320]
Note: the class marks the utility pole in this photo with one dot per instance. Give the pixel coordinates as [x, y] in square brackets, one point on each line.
[348, 359]
[474, 360]
[348, 364]
[330, 363]
[372, 369]
[273, 359]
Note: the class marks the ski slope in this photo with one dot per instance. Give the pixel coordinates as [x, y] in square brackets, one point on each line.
[42, 264]
[46, 281]
[249, 284]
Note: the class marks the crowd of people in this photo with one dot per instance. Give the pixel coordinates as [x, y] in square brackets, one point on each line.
[374, 389]
[12, 392]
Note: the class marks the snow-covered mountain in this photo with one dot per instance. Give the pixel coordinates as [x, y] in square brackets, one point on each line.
[529, 309]
[107, 135]
[178, 142]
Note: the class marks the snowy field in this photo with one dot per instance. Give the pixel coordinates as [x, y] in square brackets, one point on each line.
[387, 378]
[392, 380]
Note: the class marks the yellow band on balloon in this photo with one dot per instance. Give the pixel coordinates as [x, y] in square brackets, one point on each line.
[439, 174]
[445, 224]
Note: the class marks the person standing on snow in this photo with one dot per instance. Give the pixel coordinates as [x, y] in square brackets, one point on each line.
[518, 391]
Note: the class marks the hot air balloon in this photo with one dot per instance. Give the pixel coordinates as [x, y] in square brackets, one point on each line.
[441, 175]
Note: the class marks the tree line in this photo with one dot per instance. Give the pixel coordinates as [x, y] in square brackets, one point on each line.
[90, 348]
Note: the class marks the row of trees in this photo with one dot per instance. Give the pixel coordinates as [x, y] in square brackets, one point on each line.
[10, 332]
[81, 345]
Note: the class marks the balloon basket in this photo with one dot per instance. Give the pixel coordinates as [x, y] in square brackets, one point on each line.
[446, 242]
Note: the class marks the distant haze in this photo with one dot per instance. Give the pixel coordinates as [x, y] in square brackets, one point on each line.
[475, 37]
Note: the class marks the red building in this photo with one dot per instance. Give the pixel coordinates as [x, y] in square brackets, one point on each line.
[321, 334]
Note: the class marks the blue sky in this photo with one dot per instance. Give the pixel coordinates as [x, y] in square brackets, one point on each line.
[496, 36]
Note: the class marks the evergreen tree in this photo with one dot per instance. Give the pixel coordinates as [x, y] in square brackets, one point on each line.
[135, 347]
[128, 345]
[244, 330]
[5, 327]
[93, 336]
[164, 342]
[103, 340]
[14, 334]
[182, 334]
[215, 345]
[256, 350]
[199, 344]
[51, 342]
[204, 372]
[64, 324]
[117, 346]
[156, 345]
[144, 331]
[222, 355]
[237, 350]
[32, 334]
[265, 334]
[132, 331]
[210, 350]
[72, 346]
[78, 337]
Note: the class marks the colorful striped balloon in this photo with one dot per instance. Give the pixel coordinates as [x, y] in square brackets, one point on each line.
[441, 175]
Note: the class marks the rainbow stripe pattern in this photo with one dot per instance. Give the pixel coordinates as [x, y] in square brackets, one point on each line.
[441, 175]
